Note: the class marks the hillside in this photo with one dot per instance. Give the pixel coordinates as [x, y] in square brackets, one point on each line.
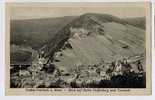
[94, 37]
[82, 21]
[102, 30]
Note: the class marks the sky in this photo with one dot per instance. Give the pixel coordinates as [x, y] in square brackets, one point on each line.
[45, 10]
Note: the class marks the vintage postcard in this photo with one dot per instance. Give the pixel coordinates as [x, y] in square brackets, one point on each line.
[78, 48]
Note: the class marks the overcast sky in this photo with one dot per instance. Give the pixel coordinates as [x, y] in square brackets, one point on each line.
[31, 11]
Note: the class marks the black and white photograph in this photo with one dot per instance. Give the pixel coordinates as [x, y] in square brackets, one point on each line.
[78, 46]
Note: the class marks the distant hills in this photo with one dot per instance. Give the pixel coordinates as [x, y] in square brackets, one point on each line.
[137, 22]
[85, 39]
[36, 32]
